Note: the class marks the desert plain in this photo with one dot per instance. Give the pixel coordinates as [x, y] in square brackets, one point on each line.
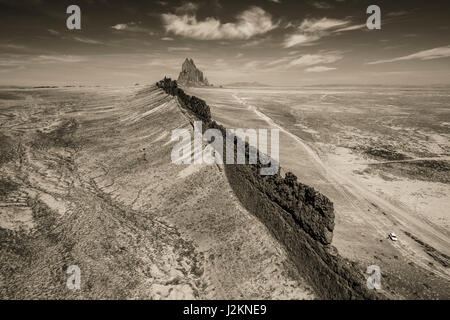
[86, 179]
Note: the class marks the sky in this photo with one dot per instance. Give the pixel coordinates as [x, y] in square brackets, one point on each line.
[275, 42]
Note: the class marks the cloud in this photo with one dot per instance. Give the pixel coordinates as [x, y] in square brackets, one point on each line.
[288, 25]
[13, 46]
[436, 53]
[311, 30]
[319, 69]
[59, 59]
[322, 5]
[120, 26]
[87, 40]
[248, 23]
[172, 49]
[187, 7]
[350, 28]
[53, 32]
[321, 25]
[312, 59]
[300, 39]
[397, 13]
[131, 27]
[167, 39]
[278, 61]
[275, 1]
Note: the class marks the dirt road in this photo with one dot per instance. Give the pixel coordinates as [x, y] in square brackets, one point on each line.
[87, 180]
[363, 219]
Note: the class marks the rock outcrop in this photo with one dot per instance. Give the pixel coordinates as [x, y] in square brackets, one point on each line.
[311, 210]
[298, 216]
[191, 76]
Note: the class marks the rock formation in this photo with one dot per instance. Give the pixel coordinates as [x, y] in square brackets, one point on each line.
[191, 76]
[299, 217]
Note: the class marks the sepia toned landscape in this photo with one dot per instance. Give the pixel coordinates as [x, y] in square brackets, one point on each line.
[122, 176]
[75, 176]
[79, 186]
[381, 155]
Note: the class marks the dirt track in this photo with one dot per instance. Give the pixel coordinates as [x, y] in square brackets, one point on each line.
[87, 193]
[363, 218]
[375, 216]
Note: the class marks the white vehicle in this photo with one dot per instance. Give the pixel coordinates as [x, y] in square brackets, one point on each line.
[393, 236]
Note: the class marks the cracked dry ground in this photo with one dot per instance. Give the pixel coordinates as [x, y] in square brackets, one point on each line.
[86, 179]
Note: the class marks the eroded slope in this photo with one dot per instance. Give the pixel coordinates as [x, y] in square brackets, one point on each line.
[95, 187]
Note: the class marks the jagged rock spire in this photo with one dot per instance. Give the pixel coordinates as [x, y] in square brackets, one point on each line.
[191, 76]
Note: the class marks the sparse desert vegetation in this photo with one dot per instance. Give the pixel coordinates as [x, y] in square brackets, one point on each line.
[379, 155]
[87, 180]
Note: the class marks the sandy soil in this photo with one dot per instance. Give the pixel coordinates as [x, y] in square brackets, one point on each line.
[368, 205]
[94, 186]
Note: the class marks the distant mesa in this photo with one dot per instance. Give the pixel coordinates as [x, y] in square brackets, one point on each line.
[190, 76]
